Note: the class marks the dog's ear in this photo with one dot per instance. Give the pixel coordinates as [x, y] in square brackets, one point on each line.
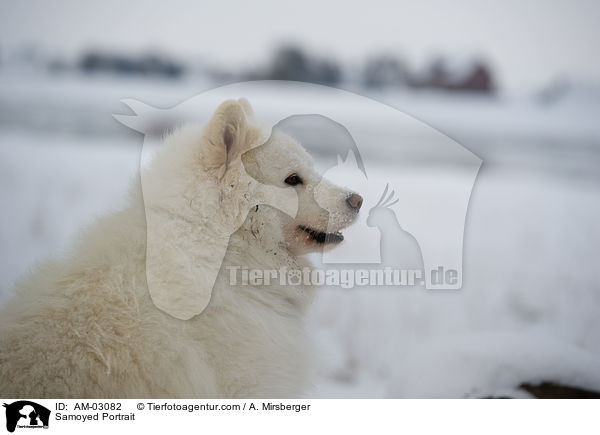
[227, 134]
[247, 107]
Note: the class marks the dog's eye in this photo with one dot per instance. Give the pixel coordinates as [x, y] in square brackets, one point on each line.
[293, 179]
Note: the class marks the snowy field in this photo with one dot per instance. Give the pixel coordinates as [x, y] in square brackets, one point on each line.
[529, 310]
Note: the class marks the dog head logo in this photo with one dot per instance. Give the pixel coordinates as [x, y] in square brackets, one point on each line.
[249, 163]
[26, 414]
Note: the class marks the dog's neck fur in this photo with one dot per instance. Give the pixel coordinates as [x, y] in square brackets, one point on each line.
[260, 244]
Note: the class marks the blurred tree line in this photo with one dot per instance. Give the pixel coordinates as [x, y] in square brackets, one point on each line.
[379, 72]
[148, 64]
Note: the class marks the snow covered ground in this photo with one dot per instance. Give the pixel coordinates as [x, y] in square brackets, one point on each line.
[529, 309]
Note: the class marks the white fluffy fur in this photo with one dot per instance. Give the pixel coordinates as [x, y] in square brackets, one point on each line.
[86, 326]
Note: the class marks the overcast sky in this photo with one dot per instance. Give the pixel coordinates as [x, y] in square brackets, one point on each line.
[528, 41]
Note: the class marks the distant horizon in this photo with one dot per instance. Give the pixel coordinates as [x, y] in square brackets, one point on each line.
[527, 45]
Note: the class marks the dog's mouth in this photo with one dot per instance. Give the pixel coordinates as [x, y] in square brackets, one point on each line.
[321, 236]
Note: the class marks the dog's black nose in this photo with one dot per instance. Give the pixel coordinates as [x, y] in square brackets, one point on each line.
[354, 201]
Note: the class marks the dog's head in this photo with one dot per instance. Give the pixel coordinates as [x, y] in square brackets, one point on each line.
[323, 208]
[200, 188]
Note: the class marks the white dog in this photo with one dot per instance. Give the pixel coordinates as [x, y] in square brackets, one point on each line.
[86, 325]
